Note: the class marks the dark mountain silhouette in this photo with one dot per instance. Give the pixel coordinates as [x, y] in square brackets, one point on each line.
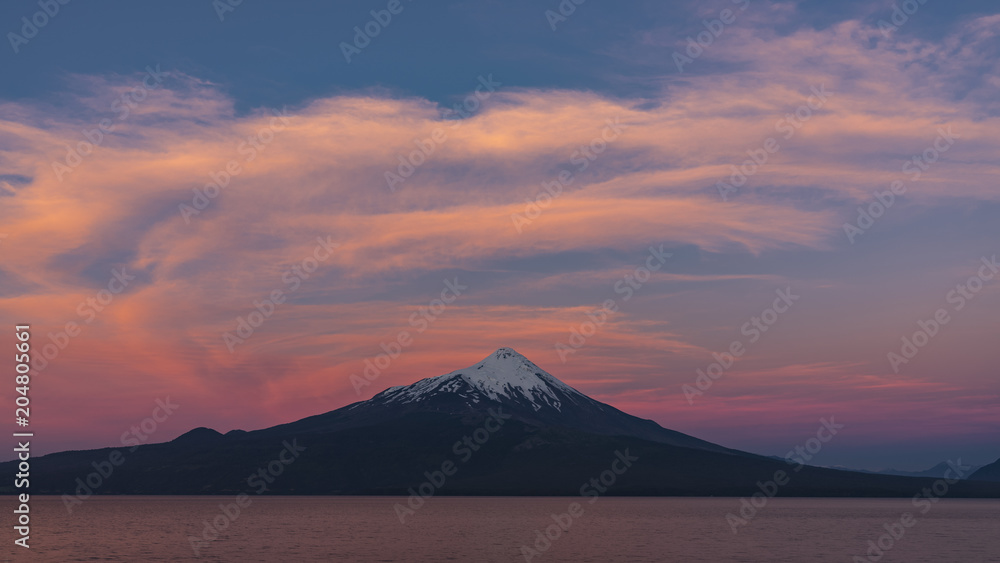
[937, 472]
[506, 426]
[505, 378]
[989, 472]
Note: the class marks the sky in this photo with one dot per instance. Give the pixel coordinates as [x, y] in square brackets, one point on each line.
[237, 207]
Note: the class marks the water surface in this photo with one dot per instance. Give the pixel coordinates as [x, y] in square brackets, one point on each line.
[495, 529]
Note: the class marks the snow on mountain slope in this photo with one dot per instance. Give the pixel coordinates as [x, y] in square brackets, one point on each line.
[503, 375]
[508, 380]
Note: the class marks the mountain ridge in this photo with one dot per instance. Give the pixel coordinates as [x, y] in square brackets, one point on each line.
[989, 472]
[552, 439]
[504, 377]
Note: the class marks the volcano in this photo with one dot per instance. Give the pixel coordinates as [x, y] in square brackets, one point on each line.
[505, 426]
[504, 379]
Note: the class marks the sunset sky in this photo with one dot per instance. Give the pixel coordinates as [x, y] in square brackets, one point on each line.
[168, 95]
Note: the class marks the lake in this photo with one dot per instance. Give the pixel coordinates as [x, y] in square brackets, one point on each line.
[503, 529]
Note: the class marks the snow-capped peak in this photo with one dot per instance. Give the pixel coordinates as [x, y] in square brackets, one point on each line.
[505, 372]
[503, 375]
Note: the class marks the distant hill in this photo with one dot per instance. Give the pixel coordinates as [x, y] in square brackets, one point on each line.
[989, 472]
[937, 472]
